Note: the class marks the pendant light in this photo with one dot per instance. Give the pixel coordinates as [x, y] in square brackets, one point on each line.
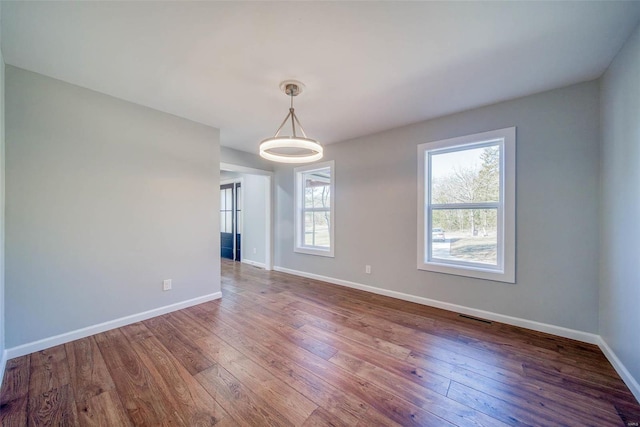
[293, 148]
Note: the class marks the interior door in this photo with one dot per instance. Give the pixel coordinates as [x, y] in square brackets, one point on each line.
[231, 221]
[226, 221]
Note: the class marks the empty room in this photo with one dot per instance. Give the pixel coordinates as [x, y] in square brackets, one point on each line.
[309, 213]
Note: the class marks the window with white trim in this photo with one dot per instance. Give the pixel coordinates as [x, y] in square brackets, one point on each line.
[466, 205]
[314, 207]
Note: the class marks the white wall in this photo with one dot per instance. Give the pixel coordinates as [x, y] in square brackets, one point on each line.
[254, 211]
[620, 207]
[255, 226]
[104, 200]
[557, 211]
[228, 176]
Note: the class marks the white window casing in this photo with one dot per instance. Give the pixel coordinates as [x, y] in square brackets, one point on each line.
[314, 220]
[442, 256]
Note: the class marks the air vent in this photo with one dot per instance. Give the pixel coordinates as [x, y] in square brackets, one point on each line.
[629, 419]
[477, 319]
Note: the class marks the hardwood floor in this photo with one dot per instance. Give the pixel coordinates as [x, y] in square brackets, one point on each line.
[279, 350]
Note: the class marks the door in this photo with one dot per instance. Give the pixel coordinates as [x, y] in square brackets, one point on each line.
[230, 221]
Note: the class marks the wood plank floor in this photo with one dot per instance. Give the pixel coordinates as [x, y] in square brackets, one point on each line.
[279, 350]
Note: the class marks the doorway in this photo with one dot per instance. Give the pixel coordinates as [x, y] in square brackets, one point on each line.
[231, 221]
[255, 202]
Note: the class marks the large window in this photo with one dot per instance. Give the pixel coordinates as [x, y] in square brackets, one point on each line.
[314, 209]
[466, 205]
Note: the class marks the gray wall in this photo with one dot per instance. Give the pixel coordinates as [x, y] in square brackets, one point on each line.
[2, 180]
[254, 209]
[241, 158]
[557, 210]
[620, 209]
[104, 200]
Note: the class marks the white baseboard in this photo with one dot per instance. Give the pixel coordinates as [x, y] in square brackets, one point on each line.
[254, 263]
[624, 373]
[510, 320]
[45, 343]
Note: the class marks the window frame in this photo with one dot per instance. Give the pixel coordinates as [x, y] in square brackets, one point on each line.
[506, 206]
[300, 210]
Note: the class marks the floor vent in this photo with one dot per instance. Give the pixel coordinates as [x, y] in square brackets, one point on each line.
[477, 319]
[629, 419]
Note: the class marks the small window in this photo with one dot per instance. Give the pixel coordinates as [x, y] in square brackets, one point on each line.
[314, 209]
[466, 209]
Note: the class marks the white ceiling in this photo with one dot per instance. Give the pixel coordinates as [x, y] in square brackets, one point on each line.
[367, 66]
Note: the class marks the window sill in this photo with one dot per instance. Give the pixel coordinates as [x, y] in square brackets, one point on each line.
[467, 271]
[312, 251]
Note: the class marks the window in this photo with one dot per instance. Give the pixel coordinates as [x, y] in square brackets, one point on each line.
[314, 209]
[466, 205]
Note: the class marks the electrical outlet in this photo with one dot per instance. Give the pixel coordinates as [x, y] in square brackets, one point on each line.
[367, 269]
[254, 250]
[166, 285]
